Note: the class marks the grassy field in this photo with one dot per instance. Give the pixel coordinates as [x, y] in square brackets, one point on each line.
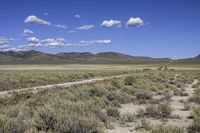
[23, 76]
[146, 101]
[10, 80]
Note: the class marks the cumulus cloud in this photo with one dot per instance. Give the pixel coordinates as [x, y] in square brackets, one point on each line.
[111, 23]
[77, 16]
[86, 27]
[4, 46]
[4, 41]
[90, 42]
[134, 22]
[61, 26]
[35, 20]
[27, 32]
[33, 42]
[15, 49]
[60, 42]
[51, 42]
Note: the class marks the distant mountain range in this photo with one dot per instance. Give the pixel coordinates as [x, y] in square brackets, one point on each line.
[37, 57]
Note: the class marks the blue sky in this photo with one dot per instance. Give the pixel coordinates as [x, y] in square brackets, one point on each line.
[156, 28]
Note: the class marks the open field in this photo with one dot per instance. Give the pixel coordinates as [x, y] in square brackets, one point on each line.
[11, 80]
[24, 76]
[94, 67]
[148, 101]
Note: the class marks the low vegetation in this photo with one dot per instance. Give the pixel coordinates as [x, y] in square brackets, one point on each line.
[166, 129]
[92, 108]
[10, 80]
[195, 126]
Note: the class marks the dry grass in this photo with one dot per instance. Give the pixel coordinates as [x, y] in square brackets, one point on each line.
[91, 108]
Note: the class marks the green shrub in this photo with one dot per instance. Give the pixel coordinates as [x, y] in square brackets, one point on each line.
[128, 117]
[196, 97]
[46, 119]
[11, 125]
[118, 96]
[143, 96]
[151, 111]
[113, 112]
[97, 91]
[166, 129]
[195, 126]
[164, 109]
[168, 95]
[129, 80]
[117, 83]
[143, 124]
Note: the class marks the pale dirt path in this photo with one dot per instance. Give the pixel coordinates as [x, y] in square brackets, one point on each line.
[179, 108]
[63, 85]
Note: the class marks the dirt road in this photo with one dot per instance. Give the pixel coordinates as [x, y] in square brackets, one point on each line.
[64, 85]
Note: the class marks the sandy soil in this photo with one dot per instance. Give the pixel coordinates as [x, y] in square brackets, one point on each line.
[178, 110]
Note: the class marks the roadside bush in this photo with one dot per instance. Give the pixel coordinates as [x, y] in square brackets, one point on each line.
[128, 117]
[97, 91]
[168, 95]
[162, 110]
[129, 80]
[143, 96]
[195, 126]
[166, 129]
[11, 125]
[45, 119]
[143, 124]
[151, 111]
[118, 96]
[113, 112]
[196, 97]
[117, 83]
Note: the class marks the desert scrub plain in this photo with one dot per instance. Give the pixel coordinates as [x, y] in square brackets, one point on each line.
[10, 80]
[145, 102]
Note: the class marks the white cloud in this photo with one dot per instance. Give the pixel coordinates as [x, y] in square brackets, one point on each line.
[46, 14]
[111, 23]
[33, 42]
[71, 31]
[134, 22]
[51, 42]
[61, 26]
[27, 32]
[15, 49]
[35, 20]
[86, 27]
[60, 42]
[91, 42]
[4, 46]
[4, 41]
[77, 16]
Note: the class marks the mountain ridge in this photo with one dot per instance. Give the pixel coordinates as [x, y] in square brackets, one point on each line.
[38, 57]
